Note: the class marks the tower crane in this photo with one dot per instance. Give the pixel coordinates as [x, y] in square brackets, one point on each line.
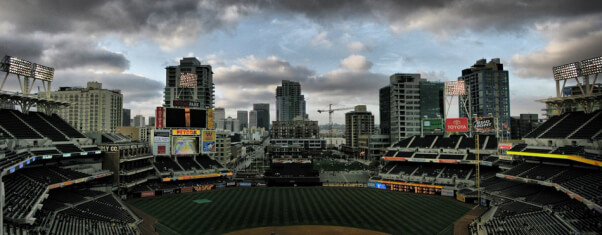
[330, 112]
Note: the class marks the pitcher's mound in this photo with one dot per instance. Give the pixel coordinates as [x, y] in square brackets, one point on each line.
[304, 229]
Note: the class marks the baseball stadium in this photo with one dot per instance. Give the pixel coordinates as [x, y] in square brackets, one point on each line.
[462, 180]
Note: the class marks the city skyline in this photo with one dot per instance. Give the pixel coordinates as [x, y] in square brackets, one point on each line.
[341, 53]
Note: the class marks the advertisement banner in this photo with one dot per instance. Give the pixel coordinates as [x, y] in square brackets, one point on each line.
[186, 190]
[483, 124]
[209, 141]
[159, 118]
[456, 125]
[432, 124]
[447, 192]
[210, 124]
[147, 194]
[161, 142]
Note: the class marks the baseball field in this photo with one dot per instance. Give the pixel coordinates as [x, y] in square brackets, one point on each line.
[229, 210]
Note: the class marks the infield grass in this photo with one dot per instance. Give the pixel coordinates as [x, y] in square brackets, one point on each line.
[242, 208]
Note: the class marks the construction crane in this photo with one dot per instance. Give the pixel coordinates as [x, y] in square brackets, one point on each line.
[330, 112]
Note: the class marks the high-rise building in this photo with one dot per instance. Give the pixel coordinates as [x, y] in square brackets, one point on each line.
[92, 109]
[151, 121]
[243, 118]
[487, 88]
[404, 105]
[523, 124]
[219, 114]
[432, 99]
[253, 119]
[139, 121]
[357, 123]
[263, 115]
[405, 101]
[385, 110]
[126, 117]
[189, 84]
[297, 128]
[230, 124]
[289, 101]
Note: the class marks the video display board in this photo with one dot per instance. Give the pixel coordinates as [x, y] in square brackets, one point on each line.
[185, 117]
[198, 118]
[185, 145]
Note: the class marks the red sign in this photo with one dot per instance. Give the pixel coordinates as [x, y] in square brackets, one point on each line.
[448, 161]
[159, 117]
[161, 149]
[456, 125]
[147, 194]
[505, 146]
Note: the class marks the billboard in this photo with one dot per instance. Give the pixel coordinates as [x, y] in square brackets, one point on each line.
[432, 124]
[483, 124]
[210, 124]
[209, 141]
[159, 117]
[185, 145]
[187, 80]
[453, 88]
[161, 142]
[456, 125]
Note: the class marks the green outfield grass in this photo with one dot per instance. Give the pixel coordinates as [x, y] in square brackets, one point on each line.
[241, 208]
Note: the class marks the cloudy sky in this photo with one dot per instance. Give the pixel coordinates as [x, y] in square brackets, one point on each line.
[342, 52]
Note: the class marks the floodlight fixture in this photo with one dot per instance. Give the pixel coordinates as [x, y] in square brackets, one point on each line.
[566, 71]
[43, 72]
[188, 80]
[455, 88]
[591, 66]
[14, 65]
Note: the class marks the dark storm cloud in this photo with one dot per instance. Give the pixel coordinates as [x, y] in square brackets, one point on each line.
[260, 72]
[570, 42]
[442, 16]
[61, 53]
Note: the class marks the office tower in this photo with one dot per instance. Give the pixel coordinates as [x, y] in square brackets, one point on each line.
[487, 88]
[219, 113]
[151, 121]
[298, 128]
[189, 85]
[253, 119]
[404, 105]
[432, 99]
[385, 110]
[289, 101]
[263, 115]
[243, 118]
[139, 121]
[92, 109]
[407, 100]
[126, 117]
[358, 122]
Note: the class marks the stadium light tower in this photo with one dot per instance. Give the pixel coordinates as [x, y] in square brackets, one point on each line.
[590, 91]
[26, 70]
